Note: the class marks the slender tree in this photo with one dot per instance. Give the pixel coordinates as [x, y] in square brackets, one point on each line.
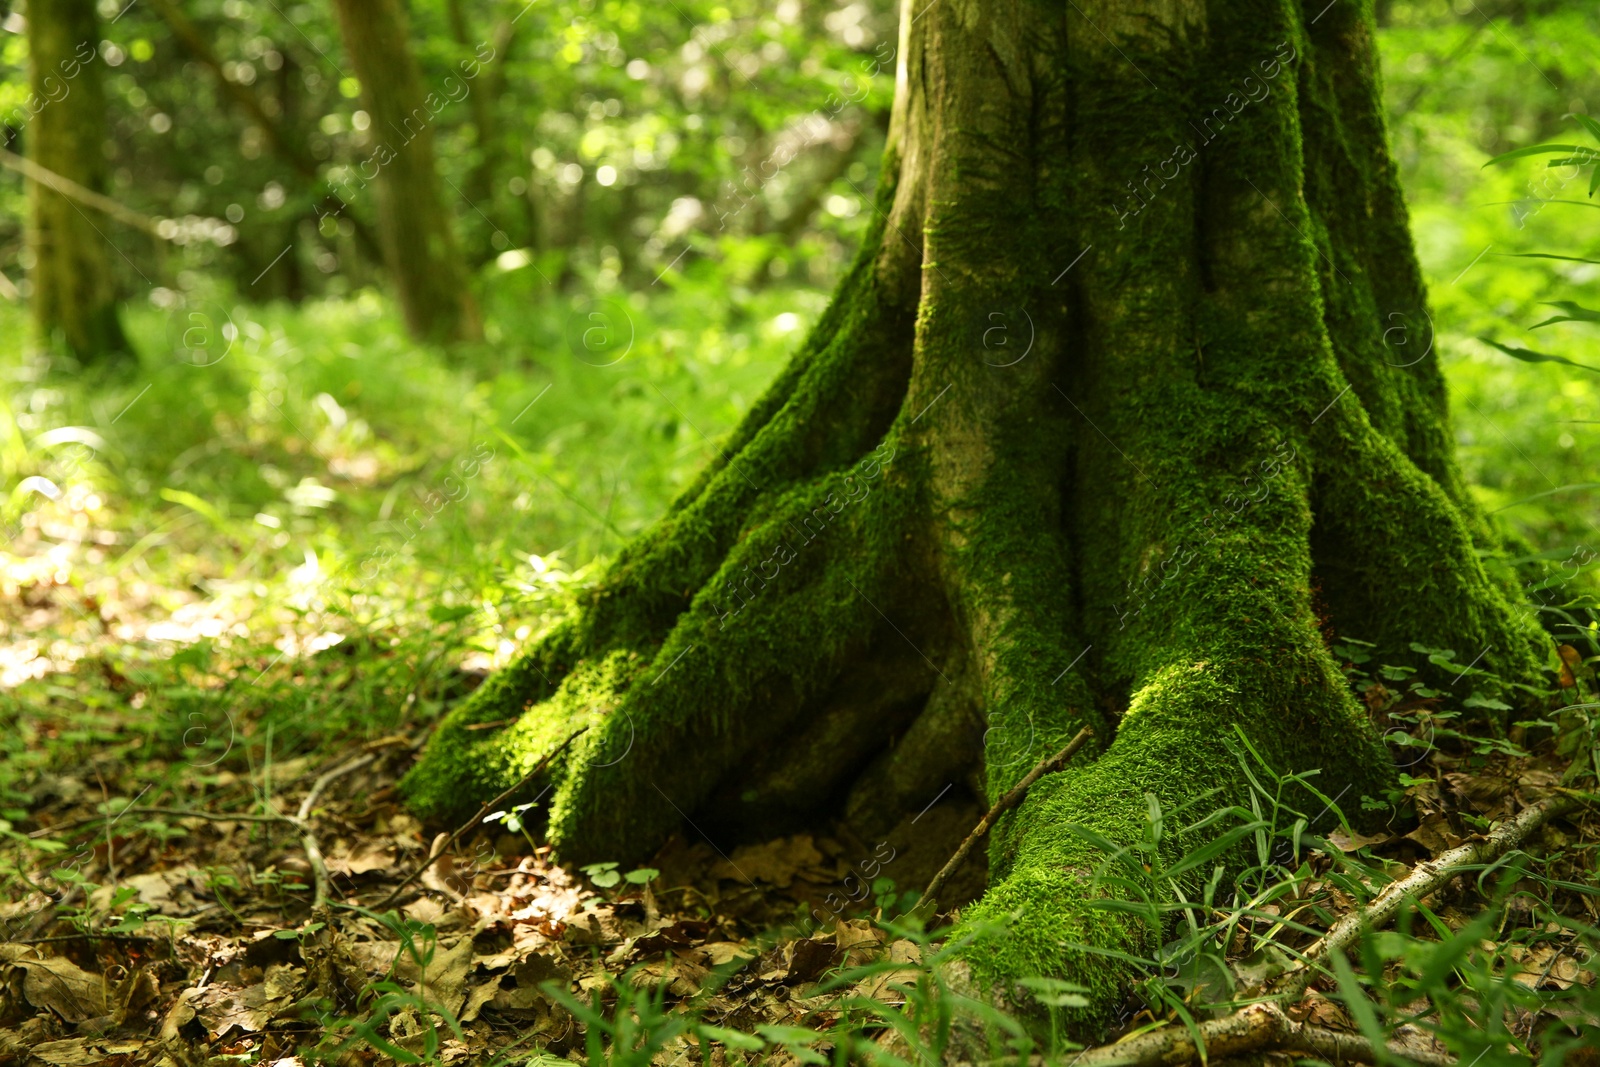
[414, 228]
[1127, 403]
[74, 285]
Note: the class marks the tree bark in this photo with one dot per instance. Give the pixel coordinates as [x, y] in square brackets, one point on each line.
[414, 229]
[1108, 426]
[74, 285]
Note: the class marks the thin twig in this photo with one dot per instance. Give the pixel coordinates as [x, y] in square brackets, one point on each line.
[440, 849]
[300, 821]
[308, 840]
[1001, 806]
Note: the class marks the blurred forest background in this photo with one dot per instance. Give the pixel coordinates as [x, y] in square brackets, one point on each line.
[293, 393]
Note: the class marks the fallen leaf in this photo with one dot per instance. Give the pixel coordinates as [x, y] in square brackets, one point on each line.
[1350, 841]
[179, 1015]
[59, 985]
[1435, 834]
[1483, 794]
[775, 862]
[82, 1052]
[478, 997]
[444, 980]
[720, 952]
[370, 857]
[250, 1009]
[809, 957]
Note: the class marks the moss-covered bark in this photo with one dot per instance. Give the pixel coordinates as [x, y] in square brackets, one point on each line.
[74, 285]
[1104, 399]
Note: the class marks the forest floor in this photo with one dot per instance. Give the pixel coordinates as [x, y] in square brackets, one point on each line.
[160, 897]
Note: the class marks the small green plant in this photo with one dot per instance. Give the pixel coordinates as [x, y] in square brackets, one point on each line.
[606, 875]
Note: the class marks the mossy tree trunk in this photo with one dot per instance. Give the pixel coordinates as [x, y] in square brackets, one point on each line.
[414, 229]
[1108, 425]
[74, 283]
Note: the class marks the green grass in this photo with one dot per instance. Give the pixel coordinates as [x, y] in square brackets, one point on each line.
[326, 475]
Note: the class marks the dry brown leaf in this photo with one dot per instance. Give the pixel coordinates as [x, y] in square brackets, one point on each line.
[363, 858]
[598, 926]
[1435, 834]
[478, 997]
[1352, 840]
[375, 957]
[59, 985]
[809, 957]
[1320, 1011]
[522, 998]
[775, 862]
[720, 952]
[81, 1051]
[444, 981]
[222, 1010]
[166, 892]
[1536, 783]
[180, 1014]
[1482, 793]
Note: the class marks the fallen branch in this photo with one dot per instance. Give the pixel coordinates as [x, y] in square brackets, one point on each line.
[1425, 879]
[308, 840]
[441, 847]
[1001, 806]
[1252, 1029]
[1264, 1026]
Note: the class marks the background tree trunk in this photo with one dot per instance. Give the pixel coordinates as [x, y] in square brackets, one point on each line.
[414, 229]
[1108, 426]
[74, 286]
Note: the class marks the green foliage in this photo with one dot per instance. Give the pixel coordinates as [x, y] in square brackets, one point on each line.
[596, 139]
[1463, 88]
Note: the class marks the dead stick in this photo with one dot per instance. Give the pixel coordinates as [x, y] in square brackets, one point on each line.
[308, 840]
[1001, 806]
[439, 849]
[1419, 883]
[1263, 1026]
[1256, 1028]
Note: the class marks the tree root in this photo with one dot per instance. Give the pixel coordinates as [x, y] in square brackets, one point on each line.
[1264, 1026]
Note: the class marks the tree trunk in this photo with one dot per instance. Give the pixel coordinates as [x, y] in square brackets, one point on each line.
[74, 287]
[1110, 424]
[414, 229]
[480, 182]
